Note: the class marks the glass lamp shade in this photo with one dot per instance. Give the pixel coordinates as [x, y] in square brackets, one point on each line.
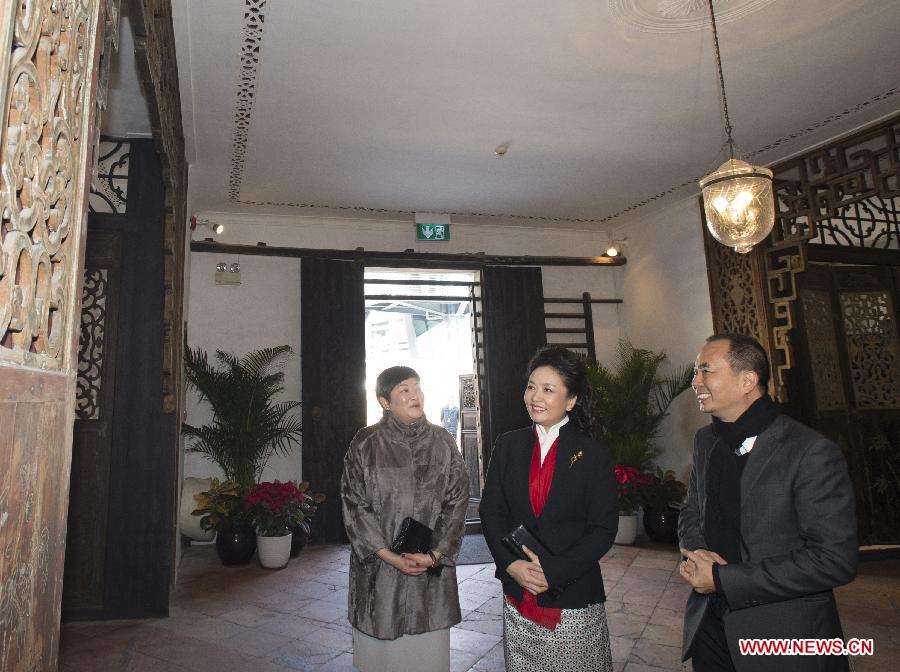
[739, 204]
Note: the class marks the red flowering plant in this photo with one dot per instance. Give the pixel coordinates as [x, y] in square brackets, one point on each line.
[273, 507]
[629, 482]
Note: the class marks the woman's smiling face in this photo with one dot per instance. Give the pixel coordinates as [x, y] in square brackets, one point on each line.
[407, 401]
[547, 397]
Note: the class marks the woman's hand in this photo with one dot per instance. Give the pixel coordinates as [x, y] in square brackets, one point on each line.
[405, 562]
[423, 559]
[528, 573]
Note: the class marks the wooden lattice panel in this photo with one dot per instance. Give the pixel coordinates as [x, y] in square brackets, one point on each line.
[48, 59]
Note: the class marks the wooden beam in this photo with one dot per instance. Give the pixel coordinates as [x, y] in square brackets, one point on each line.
[405, 258]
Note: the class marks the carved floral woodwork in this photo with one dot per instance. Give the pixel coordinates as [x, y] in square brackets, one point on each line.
[845, 194]
[48, 59]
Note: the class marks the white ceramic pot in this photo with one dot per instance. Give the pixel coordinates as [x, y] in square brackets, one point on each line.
[628, 526]
[274, 552]
[188, 524]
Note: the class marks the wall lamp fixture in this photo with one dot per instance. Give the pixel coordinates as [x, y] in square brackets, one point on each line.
[212, 226]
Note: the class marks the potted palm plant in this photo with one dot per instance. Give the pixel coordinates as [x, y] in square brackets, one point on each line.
[631, 401]
[629, 405]
[248, 426]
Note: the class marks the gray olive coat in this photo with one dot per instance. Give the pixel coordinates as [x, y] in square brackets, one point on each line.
[391, 471]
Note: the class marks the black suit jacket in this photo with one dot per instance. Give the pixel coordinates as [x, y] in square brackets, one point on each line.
[798, 529]
[577, 524]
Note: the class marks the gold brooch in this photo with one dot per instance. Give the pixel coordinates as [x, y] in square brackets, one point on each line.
[577, 456]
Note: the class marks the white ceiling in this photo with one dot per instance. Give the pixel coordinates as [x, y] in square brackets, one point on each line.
[379, 107]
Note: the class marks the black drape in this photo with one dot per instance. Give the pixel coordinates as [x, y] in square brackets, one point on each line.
[513, 304]
[332, 321]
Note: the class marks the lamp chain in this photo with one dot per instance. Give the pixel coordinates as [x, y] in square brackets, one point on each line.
[728, 129]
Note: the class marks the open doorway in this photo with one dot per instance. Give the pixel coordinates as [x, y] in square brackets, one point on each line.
[424, 319]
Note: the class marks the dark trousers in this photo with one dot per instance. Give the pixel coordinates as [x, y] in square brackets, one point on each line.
[709, 652]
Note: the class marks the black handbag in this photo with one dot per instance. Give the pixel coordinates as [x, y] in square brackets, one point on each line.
[522, 536]
[414, 537]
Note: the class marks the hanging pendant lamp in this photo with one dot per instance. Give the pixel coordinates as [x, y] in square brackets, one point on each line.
[737, 197]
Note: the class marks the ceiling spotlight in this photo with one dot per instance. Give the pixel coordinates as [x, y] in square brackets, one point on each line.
[501, 150]
[612, 251]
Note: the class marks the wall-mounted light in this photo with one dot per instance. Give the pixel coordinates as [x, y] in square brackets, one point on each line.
[228, 274]
[212, 226]
[615, 247]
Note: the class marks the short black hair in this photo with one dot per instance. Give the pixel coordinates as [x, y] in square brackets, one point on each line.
[572, 369]
[746, 354]
[391, 377]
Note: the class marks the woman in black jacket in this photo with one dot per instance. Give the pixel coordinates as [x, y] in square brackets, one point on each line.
[558, 482]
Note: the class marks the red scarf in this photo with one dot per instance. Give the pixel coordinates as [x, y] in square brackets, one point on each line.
[540, 476]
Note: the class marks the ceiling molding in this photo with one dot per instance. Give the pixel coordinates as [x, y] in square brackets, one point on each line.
[680, 16]
[251, 54]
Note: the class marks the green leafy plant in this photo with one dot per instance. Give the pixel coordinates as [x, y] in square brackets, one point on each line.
[631, 401]
[248, 425]
[660, 490]
[220, 506]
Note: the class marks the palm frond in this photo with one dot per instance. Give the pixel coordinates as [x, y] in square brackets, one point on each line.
[631, 401]
[248, 425]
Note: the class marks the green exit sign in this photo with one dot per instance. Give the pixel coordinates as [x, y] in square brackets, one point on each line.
[432, 231]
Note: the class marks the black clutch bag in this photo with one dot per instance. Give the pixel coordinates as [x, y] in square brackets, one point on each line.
[414, 537]
[522, 536]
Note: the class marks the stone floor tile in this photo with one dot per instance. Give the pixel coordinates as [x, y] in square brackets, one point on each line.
[257, 643]
[302, 655]
[334, 638]
[656, 655]
[626, 625]
[621, 648]
[492, 626]
[661, 634]
[227, 619]
[671, 618]
[468, 641]
[462, 661]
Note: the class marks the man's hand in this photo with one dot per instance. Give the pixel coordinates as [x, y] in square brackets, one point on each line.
[696, 569]
[528, 573]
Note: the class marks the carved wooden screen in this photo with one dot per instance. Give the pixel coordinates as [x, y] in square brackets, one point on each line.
[843, 198]
[48, 56]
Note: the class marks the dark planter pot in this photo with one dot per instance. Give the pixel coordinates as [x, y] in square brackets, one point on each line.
[662, 525]
[236, 544]
[300, 538]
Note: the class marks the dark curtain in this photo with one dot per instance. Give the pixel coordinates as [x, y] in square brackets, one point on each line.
[332, 321]
[513, 306]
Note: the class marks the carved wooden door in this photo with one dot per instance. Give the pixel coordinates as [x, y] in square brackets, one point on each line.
[848, 383]
[93, 429]
[48, 57]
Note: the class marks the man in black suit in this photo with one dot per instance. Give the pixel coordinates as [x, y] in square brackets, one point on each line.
[769, 528]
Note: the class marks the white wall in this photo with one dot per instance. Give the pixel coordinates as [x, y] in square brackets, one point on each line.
[265, 309]
[667, 308]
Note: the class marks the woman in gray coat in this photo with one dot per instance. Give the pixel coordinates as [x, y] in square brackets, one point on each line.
[403, 466]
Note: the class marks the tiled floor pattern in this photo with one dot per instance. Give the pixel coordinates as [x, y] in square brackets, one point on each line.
[225, 619]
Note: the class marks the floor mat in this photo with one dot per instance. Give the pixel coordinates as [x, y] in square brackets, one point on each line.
[474, 551]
